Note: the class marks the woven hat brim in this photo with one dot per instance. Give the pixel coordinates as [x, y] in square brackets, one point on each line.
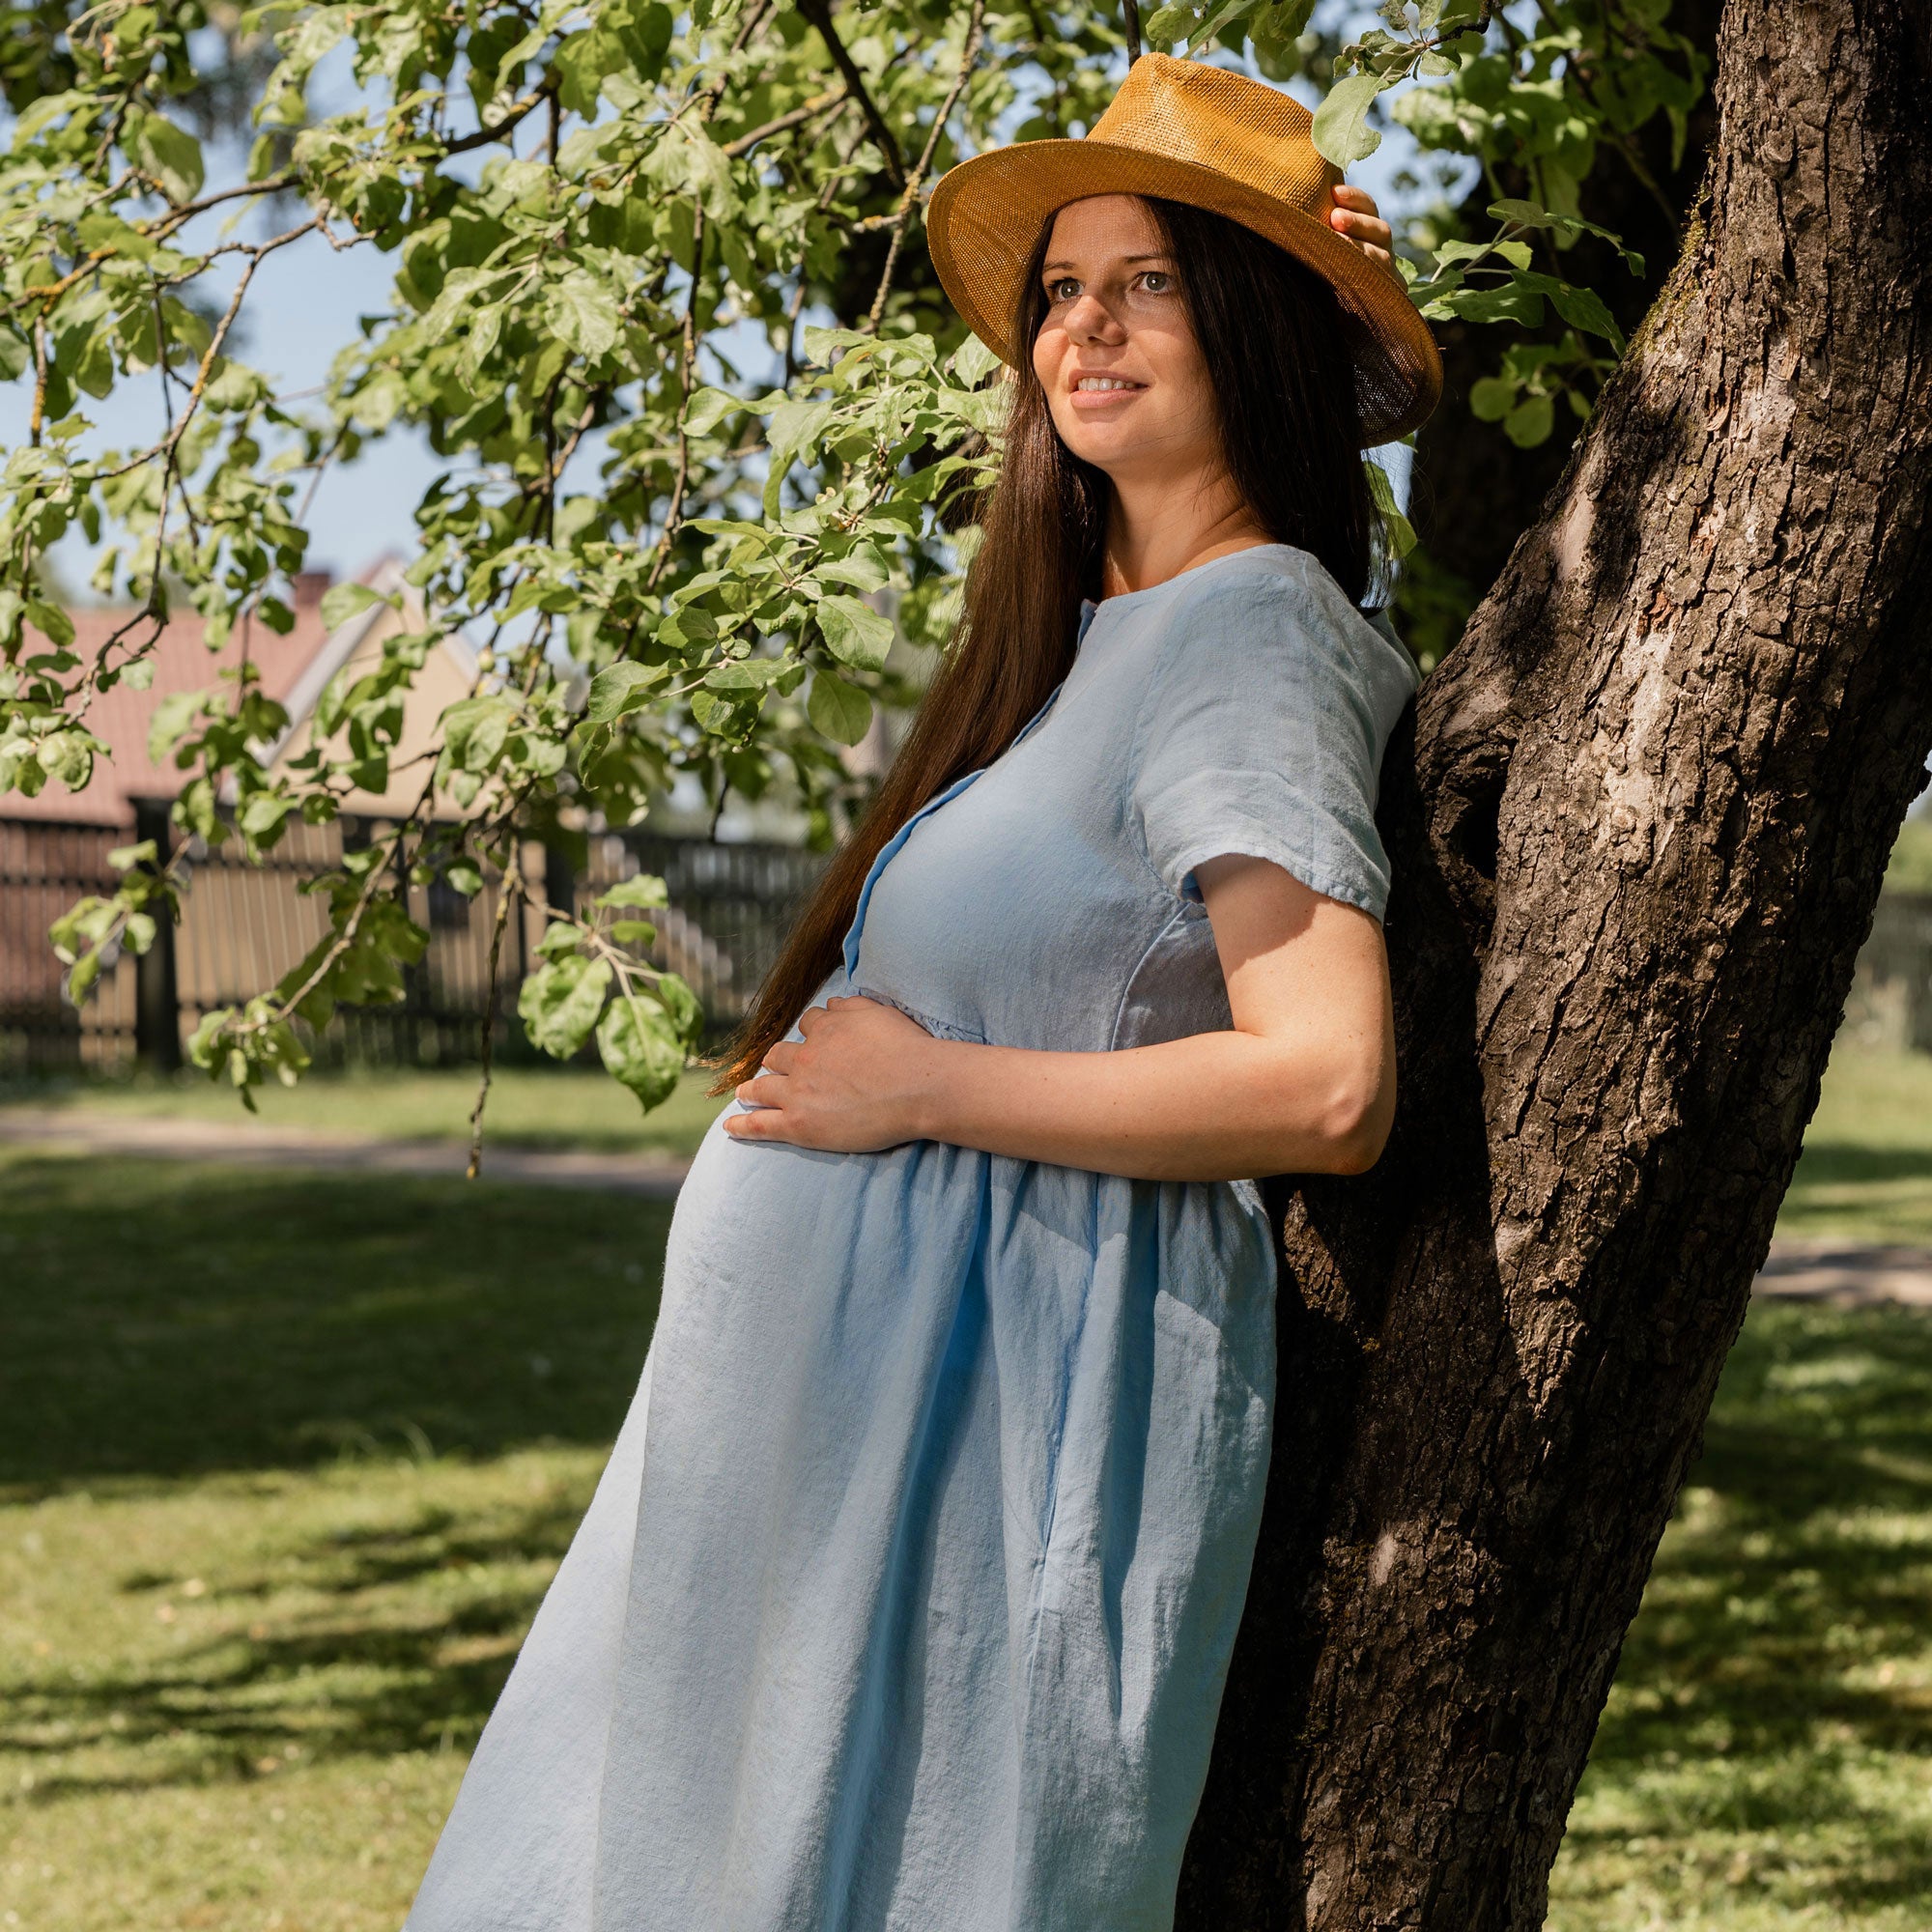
[986, 214]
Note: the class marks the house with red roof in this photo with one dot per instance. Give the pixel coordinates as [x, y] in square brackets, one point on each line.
[246, 924]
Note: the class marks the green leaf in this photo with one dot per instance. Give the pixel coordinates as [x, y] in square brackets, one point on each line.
[583, 312]
[1341, 134]
[51, 621]
[558, 1004]
[172, 720]
[167, 152]
[645, 891]
[843, 713]
[863, 569]
[341, 602]
[1530, 422]
[1584, 309]
[1168, 26]
[746, 674]
[623, 687]
[707, 408]
[1492, 398]
[639, 933]
[855, 633]
[262, 816]
[973, 362]
[640, 1046]
[1529, 214]
[686, 1010]
[796, 428]
[1400, 532]
[475, 730]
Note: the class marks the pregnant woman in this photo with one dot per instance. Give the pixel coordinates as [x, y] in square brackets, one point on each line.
[907, 1598]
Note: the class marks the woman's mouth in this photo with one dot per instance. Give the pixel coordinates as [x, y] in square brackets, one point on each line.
[1091, 392]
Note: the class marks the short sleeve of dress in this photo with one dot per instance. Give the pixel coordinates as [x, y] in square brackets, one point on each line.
[1263, 731]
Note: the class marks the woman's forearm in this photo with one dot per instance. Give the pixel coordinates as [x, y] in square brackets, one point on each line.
[1216, 1106]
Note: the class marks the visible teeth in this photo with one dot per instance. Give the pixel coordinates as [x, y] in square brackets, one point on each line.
[1104, 383]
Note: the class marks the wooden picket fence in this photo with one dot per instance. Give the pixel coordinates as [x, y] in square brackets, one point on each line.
[245, 925]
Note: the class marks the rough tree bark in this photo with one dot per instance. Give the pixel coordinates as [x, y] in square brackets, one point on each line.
[1637, 838]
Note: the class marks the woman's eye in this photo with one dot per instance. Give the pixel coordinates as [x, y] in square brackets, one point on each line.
[1065, 288]
[1156, 281]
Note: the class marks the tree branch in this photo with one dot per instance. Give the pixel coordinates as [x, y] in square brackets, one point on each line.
[508, 890]
[819, 13]
[687, 370]
[834, 97]
[969, 54]
[508, 125]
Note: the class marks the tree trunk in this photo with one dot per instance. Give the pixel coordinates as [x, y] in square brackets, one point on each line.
[1637, 836]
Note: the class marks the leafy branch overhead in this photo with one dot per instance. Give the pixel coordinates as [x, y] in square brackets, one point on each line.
[660, 300]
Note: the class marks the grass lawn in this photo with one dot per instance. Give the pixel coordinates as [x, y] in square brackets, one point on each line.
[529, 1106]
[1765, 1763]
[286, 1461]
[1865, 1174]
[1866, 1170]
[275, 1513]
[1911, 868]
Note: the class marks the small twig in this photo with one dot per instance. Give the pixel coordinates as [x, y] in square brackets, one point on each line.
[509, 890]
[322, 463]
[908, 200]
[175, 216]
[686, 370]
[819, 13]
[826, 196]
[40, 411]
[496, 130]
[1132, 15]
[835, 96]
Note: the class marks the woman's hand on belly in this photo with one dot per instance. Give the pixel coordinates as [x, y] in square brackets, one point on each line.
[859, 1081]
[1302, 1083]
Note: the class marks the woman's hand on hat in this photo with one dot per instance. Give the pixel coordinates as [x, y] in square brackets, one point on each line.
[859, 1080]
[1355, 219]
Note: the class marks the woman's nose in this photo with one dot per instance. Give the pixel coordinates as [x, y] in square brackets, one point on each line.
[1091, 320]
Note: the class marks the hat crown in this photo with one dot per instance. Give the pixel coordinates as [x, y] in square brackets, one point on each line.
[1242, 128]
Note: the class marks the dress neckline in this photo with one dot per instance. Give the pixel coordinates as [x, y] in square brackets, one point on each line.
[1090, 607]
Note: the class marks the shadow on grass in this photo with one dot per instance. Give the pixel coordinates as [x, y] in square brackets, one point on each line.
[1846, 1164]
[1757, 1683]
[161, 1320]
[344, 1684]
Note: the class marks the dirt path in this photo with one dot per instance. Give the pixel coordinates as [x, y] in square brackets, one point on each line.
[1843, 1273]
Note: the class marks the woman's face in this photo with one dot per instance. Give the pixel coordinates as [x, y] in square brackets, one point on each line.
[1124, 375]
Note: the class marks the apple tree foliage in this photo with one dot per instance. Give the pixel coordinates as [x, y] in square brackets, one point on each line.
[659, 301]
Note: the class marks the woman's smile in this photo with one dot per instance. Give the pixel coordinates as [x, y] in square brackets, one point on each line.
[1091, 392]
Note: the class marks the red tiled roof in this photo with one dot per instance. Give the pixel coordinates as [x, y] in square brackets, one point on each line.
[120, 717]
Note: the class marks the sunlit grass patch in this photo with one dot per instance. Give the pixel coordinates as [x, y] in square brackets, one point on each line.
[1865, 1174]
[286, 1464]
[1766, 1757]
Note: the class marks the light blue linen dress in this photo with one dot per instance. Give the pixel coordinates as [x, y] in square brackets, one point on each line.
[907, 1598]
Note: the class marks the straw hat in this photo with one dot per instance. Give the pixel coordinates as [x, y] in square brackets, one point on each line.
[1185, 131]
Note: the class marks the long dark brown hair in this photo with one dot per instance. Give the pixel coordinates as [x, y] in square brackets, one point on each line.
[1275, 341]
